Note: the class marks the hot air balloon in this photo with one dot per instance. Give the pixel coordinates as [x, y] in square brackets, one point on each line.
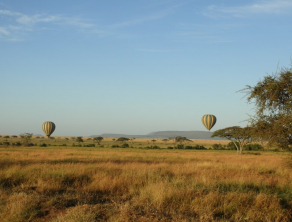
[48, 128]
[209, 121]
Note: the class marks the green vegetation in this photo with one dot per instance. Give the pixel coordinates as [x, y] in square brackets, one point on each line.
[240, 137]
[122, 139]
[273, 102]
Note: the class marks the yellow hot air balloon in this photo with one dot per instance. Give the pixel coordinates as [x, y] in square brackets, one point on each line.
[48, 128]
[209, 121]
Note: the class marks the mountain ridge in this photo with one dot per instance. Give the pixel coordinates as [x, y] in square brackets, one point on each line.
[165, 135]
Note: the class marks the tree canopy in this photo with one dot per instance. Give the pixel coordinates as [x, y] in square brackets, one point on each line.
[123, 139]
[272, 97]
[239, 136]
[98, 139]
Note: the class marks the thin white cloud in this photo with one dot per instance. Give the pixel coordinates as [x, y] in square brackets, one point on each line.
[18, 24]
[4, 31]
[151, 17]
[31, 20]
[261, 7]
[10, 13]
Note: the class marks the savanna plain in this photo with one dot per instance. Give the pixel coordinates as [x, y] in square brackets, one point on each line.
[66, 181]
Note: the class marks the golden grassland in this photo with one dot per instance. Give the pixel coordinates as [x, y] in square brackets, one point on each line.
[59, 183]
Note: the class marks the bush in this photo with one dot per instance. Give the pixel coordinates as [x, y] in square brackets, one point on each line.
[170, 147]
[79, 139]
[231, 146]
[180, 146]
[6, 143]
[254, 146]
[43, 145]
[16, 144]
[125, 145]
[217, 146]
[115, 146]
[152, 147]
[89, 145]
[197, 147]
[78, 145]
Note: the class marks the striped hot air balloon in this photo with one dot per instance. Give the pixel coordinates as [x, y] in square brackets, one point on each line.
[209, 121]
[48, 128]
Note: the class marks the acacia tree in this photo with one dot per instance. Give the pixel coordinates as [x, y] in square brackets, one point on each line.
[98, 139]
[239, 136]
[26, 139]
[273, 102]
[179, 141]
[79, 139]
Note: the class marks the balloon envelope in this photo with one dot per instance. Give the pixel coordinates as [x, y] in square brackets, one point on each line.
[48, 128]
[209, 121]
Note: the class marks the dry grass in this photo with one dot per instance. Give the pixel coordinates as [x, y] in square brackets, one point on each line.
[82, 184]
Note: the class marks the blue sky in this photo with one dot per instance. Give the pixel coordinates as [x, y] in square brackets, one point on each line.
[135, 66]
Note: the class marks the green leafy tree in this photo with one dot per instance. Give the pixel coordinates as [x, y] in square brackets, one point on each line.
[79, 139]
[26, 139]
[6, 137]
[98, 139]
[272, 97]
[179, 142]
[239, 136]
[122, 139]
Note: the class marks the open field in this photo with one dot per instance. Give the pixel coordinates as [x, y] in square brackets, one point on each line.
[65, 183]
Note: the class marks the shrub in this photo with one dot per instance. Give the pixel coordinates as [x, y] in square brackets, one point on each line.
[152, 147]
[79, 139]
[125, 145]
[43, 145]
[6, 143]
[180, 146]
[198, 147]
[170, 147]
[231, 146]
[16, 144]
[254, 146]
[115, 146]
[217, 146]
[89, 145]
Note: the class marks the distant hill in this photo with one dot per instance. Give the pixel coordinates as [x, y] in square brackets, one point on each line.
[166, 134]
